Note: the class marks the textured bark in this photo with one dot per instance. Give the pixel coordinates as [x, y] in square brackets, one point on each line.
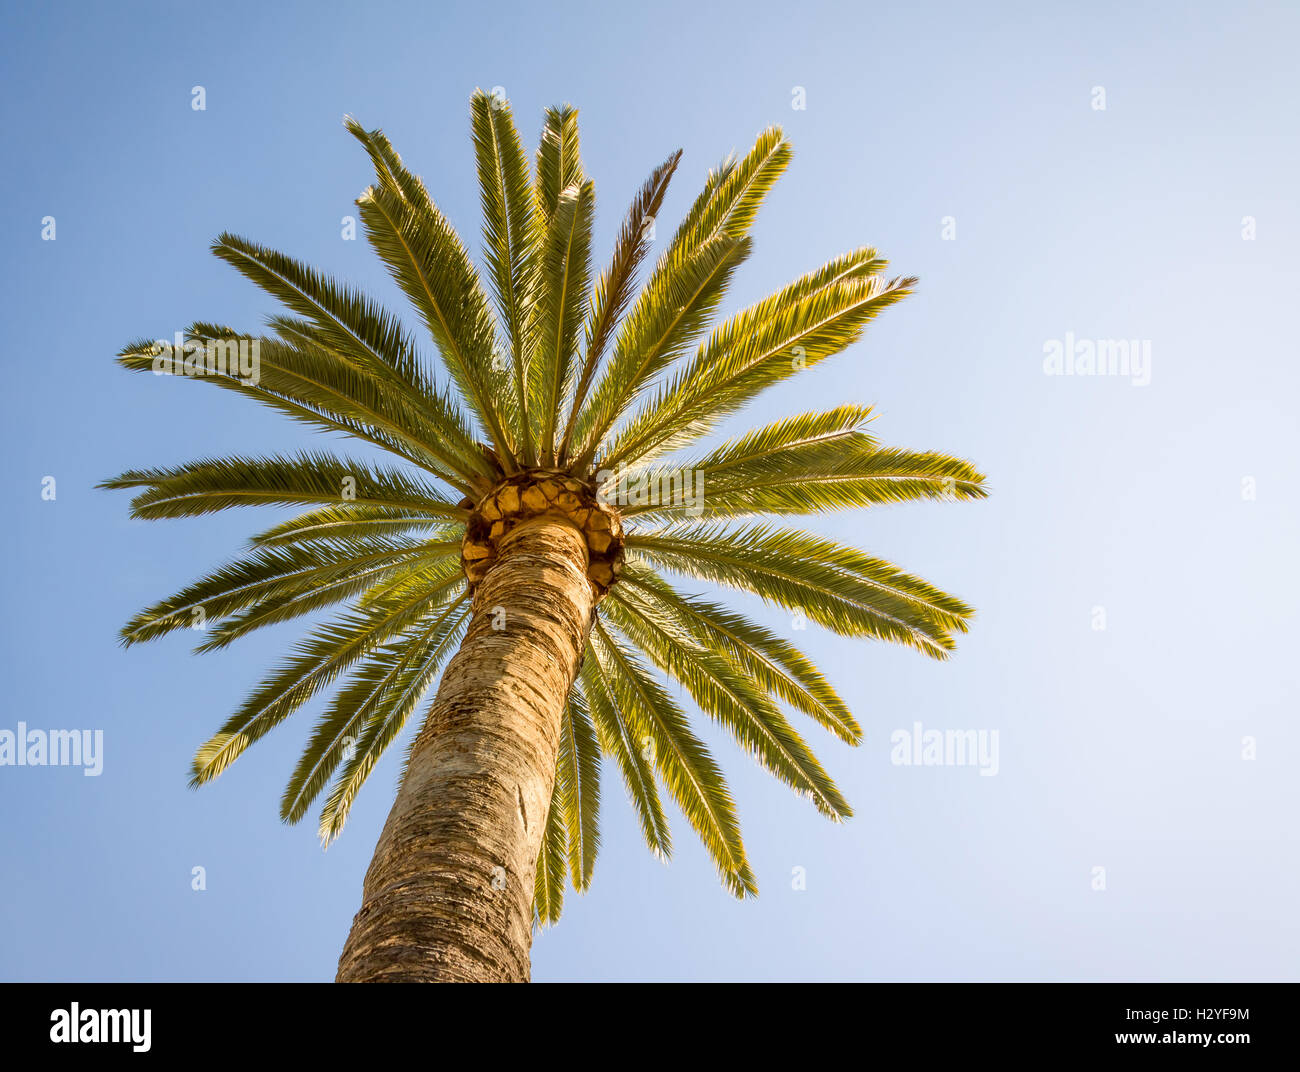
[449, 894]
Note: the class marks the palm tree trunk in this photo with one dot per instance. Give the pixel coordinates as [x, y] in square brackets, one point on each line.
[449, 893]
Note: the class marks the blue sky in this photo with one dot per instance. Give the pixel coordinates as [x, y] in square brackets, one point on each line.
[1171, 507]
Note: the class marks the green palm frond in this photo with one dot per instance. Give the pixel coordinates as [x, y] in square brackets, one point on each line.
[686, 285]
[386, 722]
[510, 240]
[578, 777]
[431, 567]
[316, 388]
[630, 749]
[388, 685]
[211, 484]
[572, 832]
[721, 691]
[426, 258]
[559, 159]
[432, 418]
[334, 572]
[812, 441]
[654, 337]
[548, 883]
[734, 193]
[349, 521]
[812, 319]
[328, 651]
[692, 777]
[562, 296]
[810, 464]
[873, 478]
[351, 323]
[359, 332]
[531, 366]
[836, 586]
[614, 289]
[772, 663]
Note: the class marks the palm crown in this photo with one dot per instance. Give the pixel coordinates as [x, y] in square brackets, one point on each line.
[560, 388]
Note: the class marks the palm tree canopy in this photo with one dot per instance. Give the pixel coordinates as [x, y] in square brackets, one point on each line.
[555, 388]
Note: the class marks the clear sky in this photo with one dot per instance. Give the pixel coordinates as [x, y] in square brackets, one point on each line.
[1166, 512]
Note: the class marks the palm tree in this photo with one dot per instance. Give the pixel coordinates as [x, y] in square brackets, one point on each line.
[523, 534]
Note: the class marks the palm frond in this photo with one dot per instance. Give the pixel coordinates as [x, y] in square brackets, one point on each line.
[614, 288]
[210, 484]
[353, 323]
[388, 684]
[511, 240]
[383, 726]
[689, 772]
[548, 882]
[563, 282]
[407, 223]
[433, 569]
[349, 324]
[578, 777]
[334, 571]
[686, 285]
[426, 258]
[390, 172]
[424, 412]
[875, 478]
[654, 336]
[331, 395]
[723, 693]
[559, 160]
[350, 521]
[812, 319]
[810, 441]
[620, 739]
[320, 658]
[803, 465]
[733, 204]
[838, 587]
[774, 664]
